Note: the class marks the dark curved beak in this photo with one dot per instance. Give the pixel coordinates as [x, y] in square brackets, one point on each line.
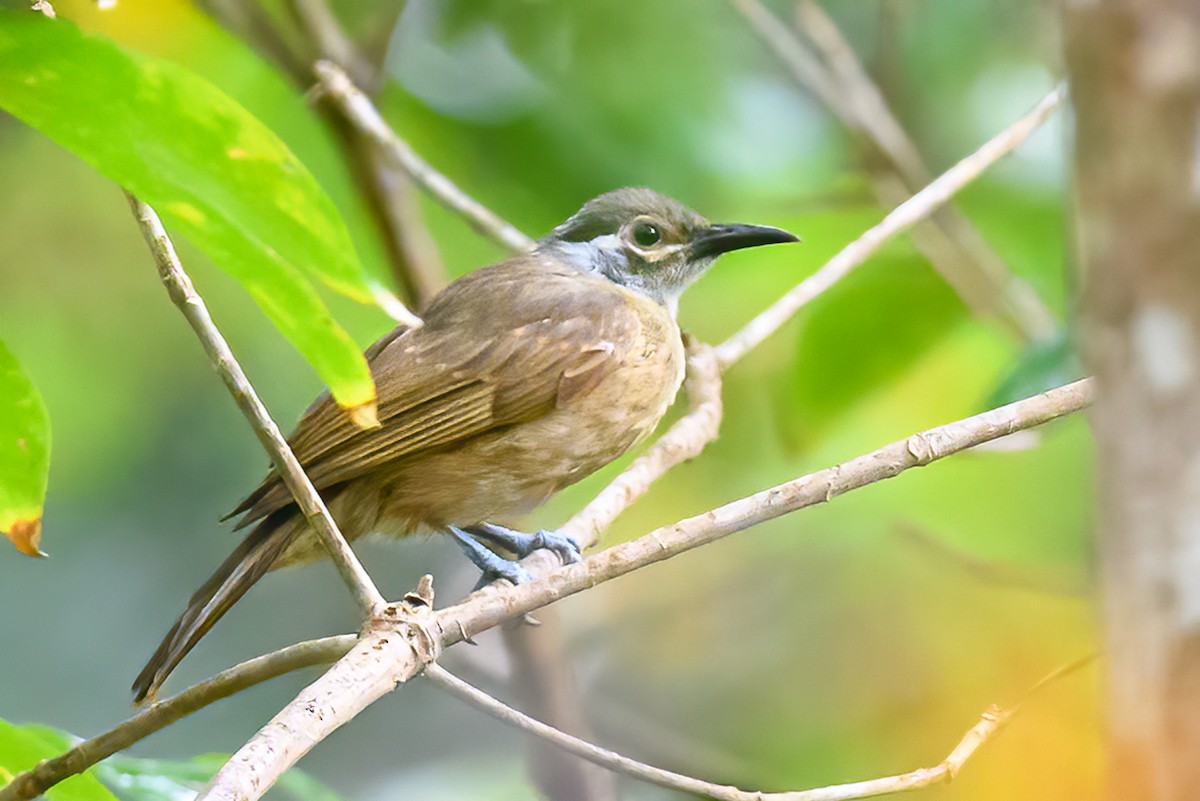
[718, 239]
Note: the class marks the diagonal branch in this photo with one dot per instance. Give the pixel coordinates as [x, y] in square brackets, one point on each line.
[386, 657]
[953, 245]
[183, 294]
[358, 108]
[988, 726]
[492, 606]
[900, 219]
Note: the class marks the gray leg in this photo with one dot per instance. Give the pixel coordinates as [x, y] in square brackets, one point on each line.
[523, 544]
[492, 565]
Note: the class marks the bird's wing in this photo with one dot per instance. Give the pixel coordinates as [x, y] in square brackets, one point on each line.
[449, 381]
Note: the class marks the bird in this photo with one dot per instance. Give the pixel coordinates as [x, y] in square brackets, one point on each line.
[525, 377]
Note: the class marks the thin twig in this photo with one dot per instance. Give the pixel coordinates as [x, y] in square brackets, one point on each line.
[328, 41]
[384, 658]
[183, 294]
[898, 220]
[357, 107]
[957, 251]
[251, 22]
[989, 724]
[160, 714]
[412, 251]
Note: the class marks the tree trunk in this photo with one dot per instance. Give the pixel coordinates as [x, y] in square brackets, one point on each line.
[1135, 82]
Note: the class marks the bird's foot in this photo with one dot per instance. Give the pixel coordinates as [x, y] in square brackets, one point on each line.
[492, 565]
[523, 544]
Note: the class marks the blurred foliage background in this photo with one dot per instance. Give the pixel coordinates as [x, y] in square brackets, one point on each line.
[849, 641]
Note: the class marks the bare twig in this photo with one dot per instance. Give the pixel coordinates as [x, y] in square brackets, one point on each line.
[179, 287]
[385, 658]
[898, 220]
[989, 724]
[251, 22]
[357, 107]
[412, 251]
[329, 41]
[160, 714]
[1017, 303]
[837, 78]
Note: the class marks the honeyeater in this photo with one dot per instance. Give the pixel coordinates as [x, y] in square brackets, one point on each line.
[525, 377]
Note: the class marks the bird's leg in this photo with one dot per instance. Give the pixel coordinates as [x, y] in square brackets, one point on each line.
[523, 544]
[491, 564]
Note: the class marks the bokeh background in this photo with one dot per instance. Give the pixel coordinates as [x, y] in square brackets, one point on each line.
[845, 642]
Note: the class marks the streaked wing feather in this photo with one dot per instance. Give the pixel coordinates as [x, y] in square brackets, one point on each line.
[438, 388]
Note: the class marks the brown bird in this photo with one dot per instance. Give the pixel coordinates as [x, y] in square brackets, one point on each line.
[526, 377]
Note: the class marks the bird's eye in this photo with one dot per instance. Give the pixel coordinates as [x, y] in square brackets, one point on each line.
[646, 234]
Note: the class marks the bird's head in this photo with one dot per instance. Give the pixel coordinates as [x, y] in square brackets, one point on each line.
[648, 242]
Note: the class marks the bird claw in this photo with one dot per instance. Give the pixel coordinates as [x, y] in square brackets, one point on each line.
[492, 565]
[566, 547]
[503, 568]
[522, 544]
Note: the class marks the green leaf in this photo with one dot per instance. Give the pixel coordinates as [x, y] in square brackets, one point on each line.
[22, 747]
[210, 168]
[24, 455]
[178, 780]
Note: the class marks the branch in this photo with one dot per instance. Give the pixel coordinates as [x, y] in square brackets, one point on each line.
[326, 38]
[357, 107]
[897, 221]
[989, 724]
[838, 79]
[412, 251]
[386, 657]
[179, 287]
[397, 645]
[492, 606]
[161, 714]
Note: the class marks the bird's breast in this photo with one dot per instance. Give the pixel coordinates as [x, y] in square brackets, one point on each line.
[607, 404]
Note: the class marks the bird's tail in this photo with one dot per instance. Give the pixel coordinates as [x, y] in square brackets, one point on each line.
[246, 565]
